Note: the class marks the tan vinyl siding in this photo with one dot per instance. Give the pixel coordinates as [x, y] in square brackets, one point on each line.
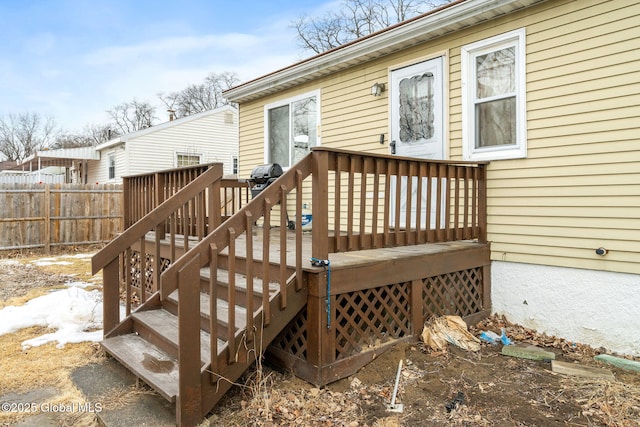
[579, 187]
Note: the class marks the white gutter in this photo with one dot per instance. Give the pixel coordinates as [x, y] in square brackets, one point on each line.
[457, 15]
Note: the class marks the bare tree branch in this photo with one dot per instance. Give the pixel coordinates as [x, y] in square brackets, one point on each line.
[91, 135]
[132, 116]
[355, 19]
[23, 134]
[201, 97]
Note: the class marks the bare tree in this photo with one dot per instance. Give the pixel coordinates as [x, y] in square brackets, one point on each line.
[201, 97]
[355, 19]
[91, 135]
[23, 134]
[132, 116]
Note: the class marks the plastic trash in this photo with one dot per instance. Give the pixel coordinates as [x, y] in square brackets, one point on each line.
[505, 339]
[490, 337]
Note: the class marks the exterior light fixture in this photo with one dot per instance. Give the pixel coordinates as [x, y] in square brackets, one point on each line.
[377, 89]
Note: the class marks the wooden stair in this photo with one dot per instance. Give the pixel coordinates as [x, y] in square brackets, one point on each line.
[147, 342]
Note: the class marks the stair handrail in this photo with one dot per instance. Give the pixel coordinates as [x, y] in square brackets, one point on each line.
[219, 236]
[108, 258]
[124, 240]
[189, 407]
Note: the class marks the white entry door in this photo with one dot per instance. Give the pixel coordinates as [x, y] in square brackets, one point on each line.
[417, 124]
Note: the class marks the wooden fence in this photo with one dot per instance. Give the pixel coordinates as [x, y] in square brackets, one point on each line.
[44, 215]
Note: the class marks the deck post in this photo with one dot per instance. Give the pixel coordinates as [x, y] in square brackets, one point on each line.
[320, 339]
[214, 214]
[482, 203]
[189, 399]
[111, 298]
[320, 205]
[159, 190]
[126, 203]
[417, 315]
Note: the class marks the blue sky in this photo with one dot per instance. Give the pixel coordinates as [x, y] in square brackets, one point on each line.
[75, 59]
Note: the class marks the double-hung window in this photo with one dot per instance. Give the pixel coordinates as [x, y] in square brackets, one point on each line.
[111, 159]
[493, 98]
[291, 128]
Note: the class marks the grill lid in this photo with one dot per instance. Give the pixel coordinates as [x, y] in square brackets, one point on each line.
[263, 173]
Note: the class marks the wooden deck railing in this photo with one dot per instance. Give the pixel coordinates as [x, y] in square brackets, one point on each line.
[144, 192]
[200, 196]
[359, 201]
[234, 194]
[365, 201]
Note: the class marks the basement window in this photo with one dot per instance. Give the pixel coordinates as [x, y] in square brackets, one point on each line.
[493, 98]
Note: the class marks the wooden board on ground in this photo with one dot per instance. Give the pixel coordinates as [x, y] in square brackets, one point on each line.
[581, 370]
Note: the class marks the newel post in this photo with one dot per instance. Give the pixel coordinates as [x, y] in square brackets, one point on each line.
[189, 399]
[111, 295]
[320, 204]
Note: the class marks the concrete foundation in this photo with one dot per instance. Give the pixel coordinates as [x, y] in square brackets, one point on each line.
[591, 307]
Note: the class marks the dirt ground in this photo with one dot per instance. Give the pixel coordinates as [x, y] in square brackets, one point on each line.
[455, 387]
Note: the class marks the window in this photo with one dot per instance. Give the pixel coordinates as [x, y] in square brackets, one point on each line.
[291, 129]
[416, 101]
[187, 159]
[493, 98]
[234, 165]
[111, 160]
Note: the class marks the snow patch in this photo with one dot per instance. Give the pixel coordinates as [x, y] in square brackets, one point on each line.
[75, 314]
[50, 261]
[85, 257]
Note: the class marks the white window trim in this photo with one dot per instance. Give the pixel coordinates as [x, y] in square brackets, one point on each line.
[286, 101]
[185, 153]
[514, 38]
[111, 155]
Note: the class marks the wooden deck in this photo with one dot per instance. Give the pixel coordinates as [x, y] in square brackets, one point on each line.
[372, 299]
[342, 260]
[212, 279]
[361, 291]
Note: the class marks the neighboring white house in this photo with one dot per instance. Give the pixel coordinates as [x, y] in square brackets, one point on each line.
[207, 137]
[53, 166]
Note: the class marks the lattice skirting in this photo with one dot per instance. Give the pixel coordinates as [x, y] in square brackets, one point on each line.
[293, 339]
[141, 270]
[366, 319]
[458, 293]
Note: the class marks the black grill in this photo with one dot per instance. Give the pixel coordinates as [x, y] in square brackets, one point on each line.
[262, 176]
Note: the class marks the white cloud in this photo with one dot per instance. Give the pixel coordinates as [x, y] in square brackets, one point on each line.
[69, 73]
[170, 47]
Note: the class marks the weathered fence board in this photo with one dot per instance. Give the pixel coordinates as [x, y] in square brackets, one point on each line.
[43, 215]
